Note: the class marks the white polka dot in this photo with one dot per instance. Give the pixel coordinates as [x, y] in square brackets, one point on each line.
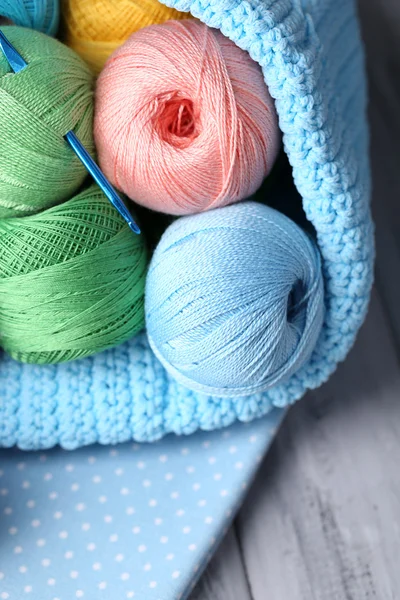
[1, 575]
[74, 574]
[119, 471]
[196, 487]
[153, 502]
[41, 542]
[226, 434]
[174, 495]
[164, 539]
[192, 547]
[102, 585]
[186, 530]
[223, 493]
[170, 557]
[28, 589]
[141, 465]
[130, 594]
[26, 485]
[75, 487]
[158, 521]
[239, 465]
[168, 476]
[228, 513]
[91, 547]
[69, 554]
[208, 520]
[130, 510]
[21, 465]
[135, 447]
[45, 562]
[142, 548]
[3, 492]
[48, 476]
[91, 460]
[125, 576]
[4, 595]
[175, 574]
[79, 594]
[80, 506]
[96, 479]
[113, 452]
[31, 504]
[113, 537]
[69, 468]
[35, 523]
[153, 584]
[185, 451]
[53, 495]
[119, 557]
[233, 450]
[63, 535]
[244, 485]
[163, 458]
[136, 530]
[51, 581]
[124, 491]
[180, 512]
[18, 549]
[85, 526]
[1, 472]
[43, 457]
[96, 566]
[102, 499]
[147, 567]
[206, 444]
[146, 483]
[190, 469]
[252, 439]
[23, 569]
[8, 510]
[202, 502]
[108, 519]
[212, 460]
[13, 530]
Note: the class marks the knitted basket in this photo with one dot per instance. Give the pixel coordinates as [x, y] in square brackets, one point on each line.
[312, 59]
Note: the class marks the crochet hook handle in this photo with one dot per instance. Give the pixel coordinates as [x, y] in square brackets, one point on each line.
[17, 64]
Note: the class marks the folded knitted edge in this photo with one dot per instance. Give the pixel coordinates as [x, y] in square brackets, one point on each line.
[125, 393]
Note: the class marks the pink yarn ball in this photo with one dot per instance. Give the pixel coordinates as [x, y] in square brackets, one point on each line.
[184, 121]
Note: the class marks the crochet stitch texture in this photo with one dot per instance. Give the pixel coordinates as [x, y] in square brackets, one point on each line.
[312, 59]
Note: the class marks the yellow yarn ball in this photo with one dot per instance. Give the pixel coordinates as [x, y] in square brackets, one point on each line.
[95, 28]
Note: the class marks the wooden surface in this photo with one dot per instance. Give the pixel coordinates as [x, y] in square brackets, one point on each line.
[322, 521]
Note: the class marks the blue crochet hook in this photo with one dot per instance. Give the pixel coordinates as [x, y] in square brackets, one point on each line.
[17, 64]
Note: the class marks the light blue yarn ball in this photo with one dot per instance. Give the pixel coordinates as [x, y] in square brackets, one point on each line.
[43, 15]
[234, 299]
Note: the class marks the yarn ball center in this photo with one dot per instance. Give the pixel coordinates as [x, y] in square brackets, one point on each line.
[176, 120]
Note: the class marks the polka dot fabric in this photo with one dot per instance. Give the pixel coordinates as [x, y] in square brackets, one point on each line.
[134, 521]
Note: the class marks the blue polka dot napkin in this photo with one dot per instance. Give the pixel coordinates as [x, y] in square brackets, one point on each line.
[131, 521]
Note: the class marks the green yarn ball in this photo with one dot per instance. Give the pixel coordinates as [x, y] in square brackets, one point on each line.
[38, 106]
[71, 281]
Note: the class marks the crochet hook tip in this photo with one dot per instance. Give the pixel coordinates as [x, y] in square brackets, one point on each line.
[101, 180]
[15, 60]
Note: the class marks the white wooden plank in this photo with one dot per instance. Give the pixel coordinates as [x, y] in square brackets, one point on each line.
[323, 519]
[224, 579]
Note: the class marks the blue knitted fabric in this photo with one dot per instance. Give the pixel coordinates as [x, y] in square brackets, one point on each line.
[312, 59]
